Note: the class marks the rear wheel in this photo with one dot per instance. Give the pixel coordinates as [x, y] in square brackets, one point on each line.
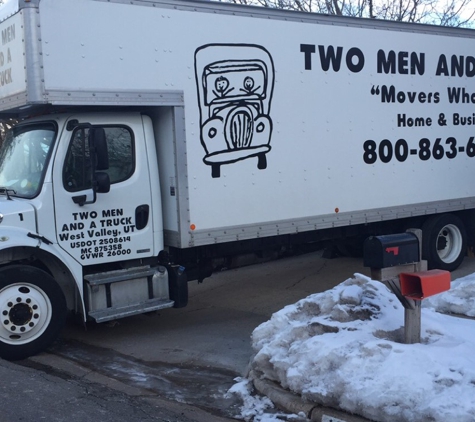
[32, 310]
[262, 161]
[444, 242]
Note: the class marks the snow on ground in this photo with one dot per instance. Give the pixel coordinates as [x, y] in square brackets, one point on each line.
[258, 408]
[344, 348]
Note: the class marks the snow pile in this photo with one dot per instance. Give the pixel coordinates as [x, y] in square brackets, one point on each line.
[460, 299]
[343, 348]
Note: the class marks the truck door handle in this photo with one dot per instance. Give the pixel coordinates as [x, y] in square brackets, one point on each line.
[141, 216]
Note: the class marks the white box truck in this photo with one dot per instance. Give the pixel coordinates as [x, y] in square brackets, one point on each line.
[158, 136]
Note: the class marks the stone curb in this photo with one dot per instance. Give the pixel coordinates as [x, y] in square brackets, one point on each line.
[292, 403]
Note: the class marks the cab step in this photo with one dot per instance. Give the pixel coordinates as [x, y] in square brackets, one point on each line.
[125, 311]
[122, 293]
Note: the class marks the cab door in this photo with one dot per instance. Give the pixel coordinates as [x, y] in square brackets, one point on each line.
[103, 226]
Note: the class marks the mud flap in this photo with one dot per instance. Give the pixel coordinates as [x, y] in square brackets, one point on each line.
[178, 285]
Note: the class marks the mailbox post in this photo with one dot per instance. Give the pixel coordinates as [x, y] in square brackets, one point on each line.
[395, 260]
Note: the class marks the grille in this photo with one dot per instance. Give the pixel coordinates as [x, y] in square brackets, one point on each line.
[241, 129]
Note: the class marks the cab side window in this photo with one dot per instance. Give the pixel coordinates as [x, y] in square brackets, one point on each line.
[77, 173]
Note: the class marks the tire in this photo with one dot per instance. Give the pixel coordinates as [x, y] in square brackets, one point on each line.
[32, 310]
[261, 161]
[444, 242]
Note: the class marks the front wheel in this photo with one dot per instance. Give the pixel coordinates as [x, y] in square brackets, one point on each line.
[444, 242]
[32, 309]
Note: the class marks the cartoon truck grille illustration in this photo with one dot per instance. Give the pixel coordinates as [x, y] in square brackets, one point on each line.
[235, 84]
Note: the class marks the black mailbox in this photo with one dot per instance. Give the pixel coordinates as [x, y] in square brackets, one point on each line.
[391, 250]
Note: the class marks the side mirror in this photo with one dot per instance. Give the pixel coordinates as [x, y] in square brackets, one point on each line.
[97, 139]
[103, 183]
[100, 161]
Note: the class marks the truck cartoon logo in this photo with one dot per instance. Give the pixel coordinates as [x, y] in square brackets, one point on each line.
[235, 83]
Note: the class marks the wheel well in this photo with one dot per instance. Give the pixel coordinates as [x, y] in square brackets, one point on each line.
[42, 260]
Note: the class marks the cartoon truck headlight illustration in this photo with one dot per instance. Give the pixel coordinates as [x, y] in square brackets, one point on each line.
[235, 84]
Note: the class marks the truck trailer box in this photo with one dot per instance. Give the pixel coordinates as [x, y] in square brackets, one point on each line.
[291, 121]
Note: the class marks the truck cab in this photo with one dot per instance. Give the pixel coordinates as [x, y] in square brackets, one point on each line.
[80, 209]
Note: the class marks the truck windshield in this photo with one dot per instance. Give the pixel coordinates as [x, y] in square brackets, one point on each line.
[23, 159]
